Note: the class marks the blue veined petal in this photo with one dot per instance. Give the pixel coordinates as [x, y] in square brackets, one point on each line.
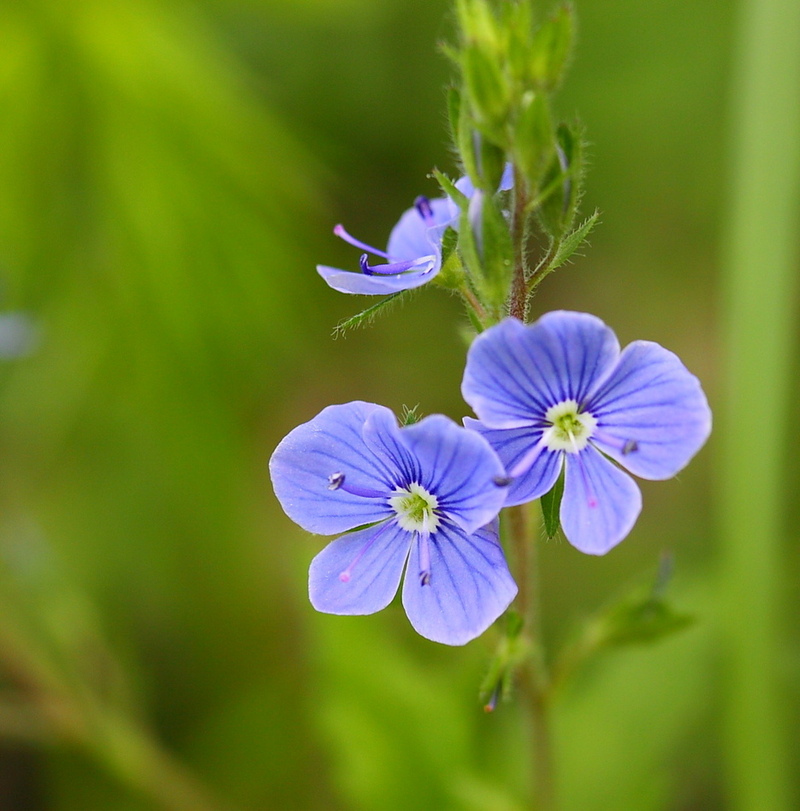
[600, 504]
[383, 437]
[469, 586]
[512, 445]
[331, 443]
[415, 235]
[651, 411]
[515, 373]
[459, 468]
[372, 561]
[360, 284]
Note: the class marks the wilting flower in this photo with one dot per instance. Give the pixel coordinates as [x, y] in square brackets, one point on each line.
[423, 498]
[413, 255]
[559, 394]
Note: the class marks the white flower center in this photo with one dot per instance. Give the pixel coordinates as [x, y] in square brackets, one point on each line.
[415, 508]
[570, 429]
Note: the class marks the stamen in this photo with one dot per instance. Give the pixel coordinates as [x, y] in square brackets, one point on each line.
[502, 481]
[357, 243]
[394, 268]
[423, 206]
[424, 556]
[630, 446]
[336, 481]
[347, 573]
[624, 446]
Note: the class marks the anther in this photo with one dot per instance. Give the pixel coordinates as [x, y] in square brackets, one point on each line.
[424, 578]
[423, 206]
[502, 481]
[630, 446]
[335, 481]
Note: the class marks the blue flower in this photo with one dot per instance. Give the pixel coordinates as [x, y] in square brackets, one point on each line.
[413, 255]
[559, 394]
[423, 498]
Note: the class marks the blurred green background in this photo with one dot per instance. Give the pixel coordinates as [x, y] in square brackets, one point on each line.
[170, 173]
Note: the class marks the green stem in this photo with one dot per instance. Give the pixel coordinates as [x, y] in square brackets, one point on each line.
[518, 303]
[760, 293]
[533, 682]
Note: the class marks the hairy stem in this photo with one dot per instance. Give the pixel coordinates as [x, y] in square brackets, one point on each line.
[518, 303]
[533, 682]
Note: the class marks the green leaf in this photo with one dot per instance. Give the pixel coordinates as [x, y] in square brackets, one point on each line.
[573, 241]
[368, 316]
[636, 621]
[551, 505]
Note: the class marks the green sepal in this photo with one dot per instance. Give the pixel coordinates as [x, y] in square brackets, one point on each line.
[562, 184]
[493, 162]
[450, 189]
[452, 276]
[410, 415]
[454, 112]
[368, 316]
[487, 91]
[467, 143]
[550, 503]
[517, 23]
[552, 48]
[477, 22]
[497, 252]
[533, 136]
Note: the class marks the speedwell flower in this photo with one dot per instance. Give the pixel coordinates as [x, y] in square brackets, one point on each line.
[413, 255]
[559, 394]
[423, 498]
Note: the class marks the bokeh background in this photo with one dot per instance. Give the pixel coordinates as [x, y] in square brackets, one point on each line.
[170, 171]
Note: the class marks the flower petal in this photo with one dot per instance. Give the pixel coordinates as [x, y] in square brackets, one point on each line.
[415, 236]
[330, 443]
[515, 373]
[382, 435]
[373, 557]
[459, 468]
[600, 504]
[511, 445]
[469, 587]
[360, 284]
[650, 399]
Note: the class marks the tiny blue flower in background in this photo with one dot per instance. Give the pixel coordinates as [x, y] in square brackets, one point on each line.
[413, 255]
[560, 393]
[423, 498]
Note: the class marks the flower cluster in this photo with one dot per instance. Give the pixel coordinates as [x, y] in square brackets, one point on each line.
[556, 396]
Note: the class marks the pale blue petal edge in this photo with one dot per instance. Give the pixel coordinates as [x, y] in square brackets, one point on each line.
[597, 529]
[374, 578]
[651, 399]
[470, 586]
[330, 443]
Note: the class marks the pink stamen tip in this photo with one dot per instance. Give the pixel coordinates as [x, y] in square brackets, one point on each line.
[345, 577]
[592, 502]
[338, 230]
